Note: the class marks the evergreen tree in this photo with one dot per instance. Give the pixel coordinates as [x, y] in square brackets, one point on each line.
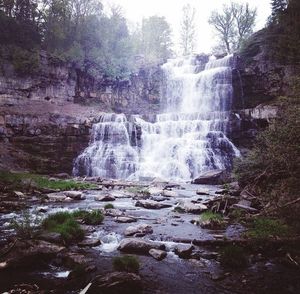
[278, 6]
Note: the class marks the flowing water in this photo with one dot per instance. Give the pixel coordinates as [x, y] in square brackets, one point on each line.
[186, 139]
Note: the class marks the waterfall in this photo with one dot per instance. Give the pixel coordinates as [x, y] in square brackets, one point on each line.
[187, 138]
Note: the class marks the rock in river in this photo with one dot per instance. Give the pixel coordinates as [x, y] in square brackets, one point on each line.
[184, 251]
[212, 177]
[158, 254]
[105, 198]
[150, 204]
[140, 230]
[134, 245]
[89, 243]
[117, 282]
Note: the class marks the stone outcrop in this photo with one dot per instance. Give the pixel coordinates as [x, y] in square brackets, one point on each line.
[58, 82]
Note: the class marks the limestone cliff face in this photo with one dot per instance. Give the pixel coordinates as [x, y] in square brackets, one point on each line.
[60, 83]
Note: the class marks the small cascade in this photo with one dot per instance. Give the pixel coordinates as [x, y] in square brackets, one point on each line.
[111, 152]
[187, 138]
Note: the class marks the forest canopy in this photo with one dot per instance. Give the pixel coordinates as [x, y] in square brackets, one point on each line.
[80, 32]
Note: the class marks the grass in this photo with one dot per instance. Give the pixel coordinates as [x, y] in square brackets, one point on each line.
[264, 228]
[65, 224]
[138, 190]
[211, 216]
[21, 180]
[27, 226]
[94, 217]
[126, 263]
[109, 206]
[233, 256]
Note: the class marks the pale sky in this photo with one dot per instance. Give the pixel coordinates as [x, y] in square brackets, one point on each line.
[135, 10]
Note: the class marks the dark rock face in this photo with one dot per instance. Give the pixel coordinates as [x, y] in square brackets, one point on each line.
[46, 143]
[213, 177]
[258, 77]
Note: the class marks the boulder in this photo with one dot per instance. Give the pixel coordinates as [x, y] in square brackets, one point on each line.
[105, 198]
[117, 282]
[190, 207]
[150, 204]
[125, 219]
[75, 195]
[169, 193]
[155, 191]
[113, 212]
[57, 197]
[184, 250]
[138, 230]
[212, 177]
[91, 242]
[158, 254]
[134, 245]
[51, 237]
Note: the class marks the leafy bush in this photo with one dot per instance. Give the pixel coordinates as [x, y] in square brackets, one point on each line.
[109, 206]
[27, 226]
[271, 170]
[126, 263]
[94, 217]
[234, 257]
[210, 216]
[65, 224]
[264, 228]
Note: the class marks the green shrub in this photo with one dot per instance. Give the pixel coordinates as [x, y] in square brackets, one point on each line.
[178, 209]
[264, 228]
[65, 224]
[109, 206]
[25, 61]
[233, 256]
[94, 217]
[211, 216]
[126, 263]
[27, 226]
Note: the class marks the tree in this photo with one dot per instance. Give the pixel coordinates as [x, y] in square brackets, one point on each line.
[278, 6]
[233, 25]
[153, 39]
[188, 29]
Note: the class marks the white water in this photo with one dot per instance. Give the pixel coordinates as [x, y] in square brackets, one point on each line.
[186, 139]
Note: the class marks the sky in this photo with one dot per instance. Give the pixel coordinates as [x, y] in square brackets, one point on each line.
[136, 10]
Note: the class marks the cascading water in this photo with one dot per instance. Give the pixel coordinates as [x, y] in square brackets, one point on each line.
[186, 139]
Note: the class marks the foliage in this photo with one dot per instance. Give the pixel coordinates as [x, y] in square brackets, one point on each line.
[233, 25]
[19, 180]
[126, 263]
[152, 40]
[264, 228]
[27, 226]
[109, 206]
[65, 224]
[187, 33]
[94, 217]
[138, 190]
[271, 169]
[178, 209]
[278, 6]
[233, 256]
[211, 216]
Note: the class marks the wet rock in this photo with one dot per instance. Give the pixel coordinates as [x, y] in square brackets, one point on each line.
[113, 212]
[169, 193]
[158, 198]
[51, 237]
[125, 219]
[155, 191]
[190, 207]
[134, 245]
[117, 282]
[57, 197]
[105, 198]
[73, 259]
[42, 209]
[202, 192]
[184, 251]
[138, 230]
[158, 254]
[91, 242]
[19, 194]
[213, 177]
[75, 195]
[150, 204]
